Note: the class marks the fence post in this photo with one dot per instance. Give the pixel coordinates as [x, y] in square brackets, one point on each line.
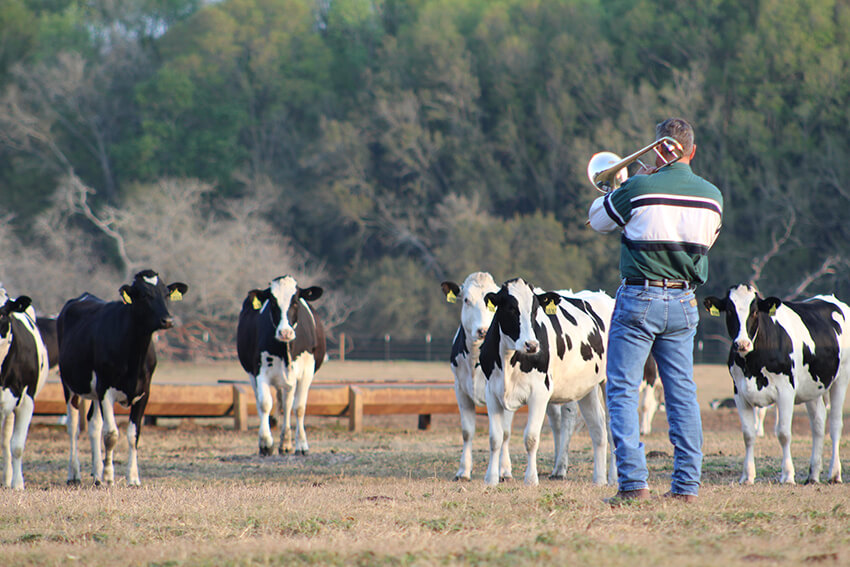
[342, 346]
[240, 408]
[387, 347]
[355, 409]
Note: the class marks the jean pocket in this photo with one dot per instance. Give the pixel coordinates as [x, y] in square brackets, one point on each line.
[690, 311]
[631, 309]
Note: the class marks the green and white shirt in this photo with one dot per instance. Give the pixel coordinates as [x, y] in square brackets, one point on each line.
[670, 220]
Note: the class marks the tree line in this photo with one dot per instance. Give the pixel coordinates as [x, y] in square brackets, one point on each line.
[379, 147]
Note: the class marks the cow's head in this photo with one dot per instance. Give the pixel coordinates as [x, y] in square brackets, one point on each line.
[742, 306]
[475, 317]
[282, 298]
[7, 308]
[147, 297]
[517, 307]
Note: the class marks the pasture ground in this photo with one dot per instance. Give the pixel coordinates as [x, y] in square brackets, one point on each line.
[384, 497]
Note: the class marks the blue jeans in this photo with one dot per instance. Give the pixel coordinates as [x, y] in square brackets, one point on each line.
[662, 321]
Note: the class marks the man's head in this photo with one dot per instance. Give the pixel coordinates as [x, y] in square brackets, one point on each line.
[680, 130]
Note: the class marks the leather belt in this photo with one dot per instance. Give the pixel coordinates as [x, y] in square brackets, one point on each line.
[670, 284]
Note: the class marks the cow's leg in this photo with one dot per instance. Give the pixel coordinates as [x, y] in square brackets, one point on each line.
[785, 407]
[648, 406]
[496, 418]
[287, 401]
[304, 370]
[505, 468]
[23, 416]
[467, 430]
[73, 428]
[7, 424]
[134, 430]
[593, 413]
[95, 430]
[760, 414]
[817, 421]
[110, 437]
[265, 402]
[748, 429]
[562, 420]
[537, 404]
[836, 424]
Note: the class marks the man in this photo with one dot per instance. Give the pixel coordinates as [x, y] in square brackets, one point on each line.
[669, 218]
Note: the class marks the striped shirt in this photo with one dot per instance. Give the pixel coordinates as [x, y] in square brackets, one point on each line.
[669, 219]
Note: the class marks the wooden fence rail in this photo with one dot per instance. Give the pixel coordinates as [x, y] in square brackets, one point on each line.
[331, 399]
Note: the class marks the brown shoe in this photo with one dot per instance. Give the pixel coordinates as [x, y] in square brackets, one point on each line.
[627, 496]
[682, 497]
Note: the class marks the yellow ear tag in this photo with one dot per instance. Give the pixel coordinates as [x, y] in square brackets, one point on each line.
[772, 311]
[490, 306]
[551, 308]
[714, 311]
[176, 295]
[256, 303]
[126, 298]
[451, 297]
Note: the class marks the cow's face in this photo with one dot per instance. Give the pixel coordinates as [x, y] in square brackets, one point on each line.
[8, 308]
[742, 305]
[148, 296]
[517, 308]
[475, 317]
[284, 298]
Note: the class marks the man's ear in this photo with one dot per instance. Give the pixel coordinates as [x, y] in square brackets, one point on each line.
[451, 291]
[769, 305]
[714, 305]
[311, 293]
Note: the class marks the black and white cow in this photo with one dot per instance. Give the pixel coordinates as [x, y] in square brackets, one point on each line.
[106, 355]
[47, 329]
[648, 392]
[541, 348]
[475, 318]
[281, 344]
[23, 370]
[788, 353]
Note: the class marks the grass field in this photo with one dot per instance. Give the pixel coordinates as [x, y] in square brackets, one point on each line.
[383, 497]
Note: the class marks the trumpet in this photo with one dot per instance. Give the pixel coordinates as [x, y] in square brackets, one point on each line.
[607, 170]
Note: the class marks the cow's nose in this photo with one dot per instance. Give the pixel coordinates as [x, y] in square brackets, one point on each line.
[531, 347]
[166, 322]
[743, 345]
[482, 332]
[285, 335]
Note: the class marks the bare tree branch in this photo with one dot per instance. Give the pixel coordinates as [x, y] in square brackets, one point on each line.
[827, 267]
[758, 264]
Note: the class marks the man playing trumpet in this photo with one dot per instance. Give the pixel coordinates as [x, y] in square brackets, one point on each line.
[669, 220]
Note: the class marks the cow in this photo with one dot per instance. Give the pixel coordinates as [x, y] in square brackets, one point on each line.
[23, 370]
[787, 353]
[106, 355]
[648, 392]
[281, 343]
[545, 347]
[470, 381]
[47, 329]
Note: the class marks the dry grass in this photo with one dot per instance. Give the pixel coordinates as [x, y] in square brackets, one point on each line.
[383, 497]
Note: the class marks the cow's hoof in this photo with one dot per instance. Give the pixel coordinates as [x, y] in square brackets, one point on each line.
[506, 479]
[460, 478]
[302, 452]
[836, 481]
[285, 450]
[73, 482]
[559, 476]
[265, 451]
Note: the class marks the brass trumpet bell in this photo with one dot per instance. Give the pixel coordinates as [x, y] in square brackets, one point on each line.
[607, 170]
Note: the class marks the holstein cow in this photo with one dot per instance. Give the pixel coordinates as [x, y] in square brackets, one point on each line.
[23, 370]
[542, 348]
[470, 382]
[648, 392]
[106, 355]
[281, 344]
[788, 353]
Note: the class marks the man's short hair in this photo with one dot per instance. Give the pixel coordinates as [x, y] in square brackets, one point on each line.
[679, 130]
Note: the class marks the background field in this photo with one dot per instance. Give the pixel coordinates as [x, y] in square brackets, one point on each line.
[385, 497]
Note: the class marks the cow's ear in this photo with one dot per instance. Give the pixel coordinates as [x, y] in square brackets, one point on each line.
[256, 297]
[769, 305]
[177, 290]
[492, 300]
[126, 293]
[311, 293]
[714, 305]
[451, 290]
[549, 301]
[20, 304]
